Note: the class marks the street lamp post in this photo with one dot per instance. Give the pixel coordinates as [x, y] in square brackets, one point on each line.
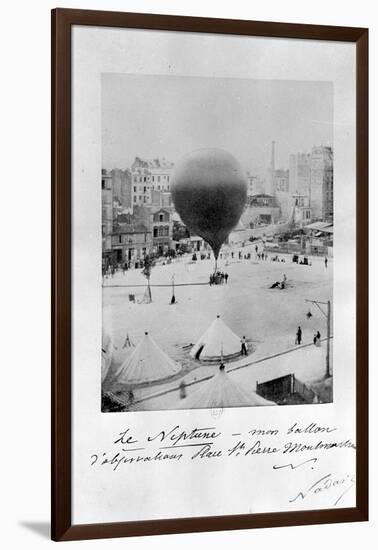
[173, 300]
[327, 315]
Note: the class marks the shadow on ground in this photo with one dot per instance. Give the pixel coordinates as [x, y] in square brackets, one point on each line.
[41, 528]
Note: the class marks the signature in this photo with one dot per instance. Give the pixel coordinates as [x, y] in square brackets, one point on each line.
[325, 484]
[294, 467]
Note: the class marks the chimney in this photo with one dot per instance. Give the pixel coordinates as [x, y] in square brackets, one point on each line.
[272, 162]
[272, 169]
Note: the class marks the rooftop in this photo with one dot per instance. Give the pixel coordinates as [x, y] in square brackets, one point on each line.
[128, 229]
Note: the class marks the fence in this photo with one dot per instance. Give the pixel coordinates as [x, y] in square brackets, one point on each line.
[293, 248]
[284, 387]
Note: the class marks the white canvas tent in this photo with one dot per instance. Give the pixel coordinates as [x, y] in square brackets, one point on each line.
[218, 342]
[221, 392]
[106, 354]
[147, 363]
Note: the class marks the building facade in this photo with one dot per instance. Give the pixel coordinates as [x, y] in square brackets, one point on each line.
[299, 173]
[121, 181]
[140, 184]
[161, 199]
[106, 217]
[311, 174]
[162, 230]
[301, 210]
[148, 176]
[321, 189]
[255, 185]
[261, 209]
[131, 243]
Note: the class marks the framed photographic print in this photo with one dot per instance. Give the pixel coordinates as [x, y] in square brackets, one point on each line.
[209, 269]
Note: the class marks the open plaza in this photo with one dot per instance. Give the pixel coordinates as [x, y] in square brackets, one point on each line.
[268, 318]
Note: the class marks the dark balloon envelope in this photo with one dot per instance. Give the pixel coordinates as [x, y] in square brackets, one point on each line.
[209, 191]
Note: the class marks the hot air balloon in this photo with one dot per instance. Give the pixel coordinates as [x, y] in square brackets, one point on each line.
[209, 191]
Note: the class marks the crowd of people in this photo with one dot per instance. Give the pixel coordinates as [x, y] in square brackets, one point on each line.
[218, 278]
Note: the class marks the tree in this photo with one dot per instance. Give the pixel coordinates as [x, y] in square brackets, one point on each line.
[148, 265]
[180, 231]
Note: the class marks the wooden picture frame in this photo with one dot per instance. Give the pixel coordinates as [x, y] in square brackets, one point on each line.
[62, 22]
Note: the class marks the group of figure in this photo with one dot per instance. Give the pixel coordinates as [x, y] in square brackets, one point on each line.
[109, 271]
[316, 338]
[262, 256]
[125, 267]
[277, 259]
[218, 278]
[280, 284]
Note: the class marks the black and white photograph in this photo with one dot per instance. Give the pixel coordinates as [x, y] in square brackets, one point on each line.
[217, 242]
[195, 220]
[214, 263]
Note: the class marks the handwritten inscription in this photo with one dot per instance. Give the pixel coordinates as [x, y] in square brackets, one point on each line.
[175, 443]
[328, 482]
[176, 437]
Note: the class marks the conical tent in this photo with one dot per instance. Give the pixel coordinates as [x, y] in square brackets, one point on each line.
[216, 343]
[106, 354]
[147, 363]
[222, 392]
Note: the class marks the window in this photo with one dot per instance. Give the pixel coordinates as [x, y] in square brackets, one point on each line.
[161, 217]
[120, 239]
[155, 231]
[135, 188]
[144, 189]
[135, 199]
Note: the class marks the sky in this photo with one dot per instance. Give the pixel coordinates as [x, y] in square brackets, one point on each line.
[170, 116]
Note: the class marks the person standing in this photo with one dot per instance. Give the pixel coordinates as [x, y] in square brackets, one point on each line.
[226, 277]
[299, 336]
[326, 262]
[283, 282]
[182, 388]
[318, 338]
[243, 342]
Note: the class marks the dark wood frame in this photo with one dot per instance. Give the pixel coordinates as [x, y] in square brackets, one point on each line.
[62, 21]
